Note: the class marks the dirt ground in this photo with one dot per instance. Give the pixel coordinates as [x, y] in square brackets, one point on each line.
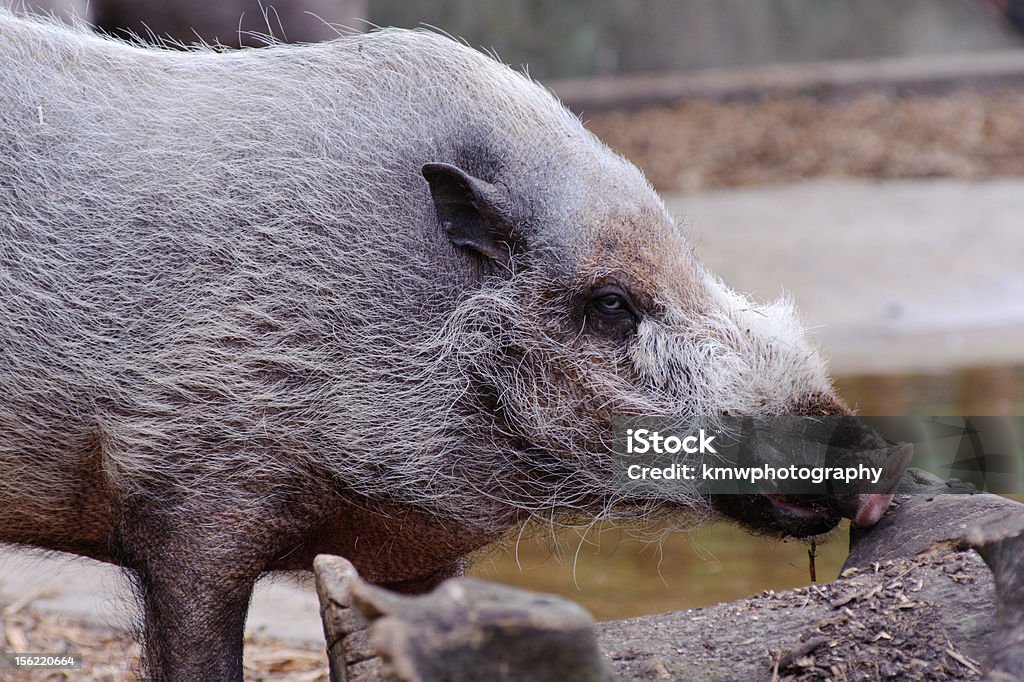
[109, 655]
[702, 144]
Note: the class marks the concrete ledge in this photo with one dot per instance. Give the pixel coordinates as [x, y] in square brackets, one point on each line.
[900, 276]
[938, 74]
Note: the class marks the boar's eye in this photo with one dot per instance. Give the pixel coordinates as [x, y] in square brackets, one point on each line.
[612, 304]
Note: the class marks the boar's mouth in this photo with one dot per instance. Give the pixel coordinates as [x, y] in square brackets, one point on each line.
[778, 515]
[801, 516]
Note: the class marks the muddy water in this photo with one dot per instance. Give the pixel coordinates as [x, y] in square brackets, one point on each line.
[616, 575]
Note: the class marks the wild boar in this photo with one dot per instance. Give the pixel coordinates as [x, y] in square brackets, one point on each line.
[379, 297]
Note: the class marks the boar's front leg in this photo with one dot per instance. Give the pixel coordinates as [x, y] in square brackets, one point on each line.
[194, 587]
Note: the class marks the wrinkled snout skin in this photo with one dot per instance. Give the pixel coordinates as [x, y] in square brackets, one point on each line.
[380, 297]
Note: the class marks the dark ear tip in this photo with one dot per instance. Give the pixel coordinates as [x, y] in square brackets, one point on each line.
[429, 170]
[432, 171]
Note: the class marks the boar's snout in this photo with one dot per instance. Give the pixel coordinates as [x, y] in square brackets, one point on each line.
[867, 508]
[807, 515]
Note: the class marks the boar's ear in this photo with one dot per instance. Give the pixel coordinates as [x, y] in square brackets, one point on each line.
[474, 213]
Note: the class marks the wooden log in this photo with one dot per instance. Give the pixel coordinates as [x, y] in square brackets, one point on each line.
[914, 600]
[466, 629]
[1000, 541]
[469, 629]
[922, 618]
[929, 512]
[350, 656]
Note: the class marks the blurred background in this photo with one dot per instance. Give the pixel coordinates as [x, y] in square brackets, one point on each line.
[571, 38]
[864, 157]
